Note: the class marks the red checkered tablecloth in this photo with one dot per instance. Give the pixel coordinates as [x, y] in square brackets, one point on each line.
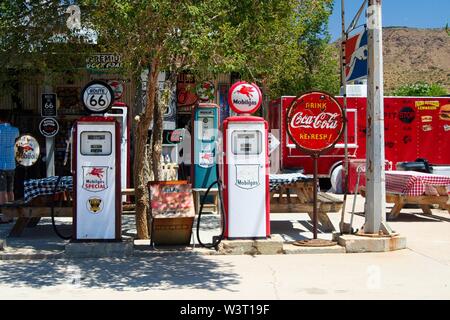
[413, 183]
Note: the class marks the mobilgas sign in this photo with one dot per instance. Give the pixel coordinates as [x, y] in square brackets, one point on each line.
[26, 150]
[244, 97]
[315, 122]
[97, 96]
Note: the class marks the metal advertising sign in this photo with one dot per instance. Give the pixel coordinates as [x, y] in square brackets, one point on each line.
[244, 97]
[26, 150]
[49, 127]
[48, 105]
[205, 91]
[315, 122]
[97, 96]
[356, 57]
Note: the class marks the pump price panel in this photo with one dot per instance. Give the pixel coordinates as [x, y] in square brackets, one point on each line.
[206, 126]
[96, 143]
[246, 142]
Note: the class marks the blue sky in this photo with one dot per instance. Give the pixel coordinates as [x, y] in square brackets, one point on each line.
[409, 13]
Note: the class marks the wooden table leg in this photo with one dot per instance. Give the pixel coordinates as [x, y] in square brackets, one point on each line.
[19, 226]
[196, 201]
[397, 208]
[325, 222]
[426, 209]
[33, 222]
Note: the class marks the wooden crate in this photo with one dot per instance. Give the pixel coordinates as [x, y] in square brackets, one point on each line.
[172, 231]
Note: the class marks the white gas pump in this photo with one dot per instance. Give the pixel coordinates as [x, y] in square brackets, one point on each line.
[97, 179]
[246, 166]
[246, 180]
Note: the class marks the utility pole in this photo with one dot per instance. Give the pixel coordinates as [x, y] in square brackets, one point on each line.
[375, 205]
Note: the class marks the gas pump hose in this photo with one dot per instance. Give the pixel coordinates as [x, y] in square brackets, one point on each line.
[215, 243]
[52, 211]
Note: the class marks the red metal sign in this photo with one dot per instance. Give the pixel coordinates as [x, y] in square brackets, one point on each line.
[315, 122]
[244, 97]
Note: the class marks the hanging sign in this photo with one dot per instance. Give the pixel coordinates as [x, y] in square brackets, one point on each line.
[315, 122]
[97, 96]
[244, 97]
[26, 150]
[49, 127]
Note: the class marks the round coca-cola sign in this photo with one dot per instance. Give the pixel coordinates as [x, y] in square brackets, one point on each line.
[315, 121]
[244, 97]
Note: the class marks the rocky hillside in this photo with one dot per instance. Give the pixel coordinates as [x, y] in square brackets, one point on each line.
[412, 55]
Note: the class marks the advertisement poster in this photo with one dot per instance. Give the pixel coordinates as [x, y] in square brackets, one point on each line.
[169, 200]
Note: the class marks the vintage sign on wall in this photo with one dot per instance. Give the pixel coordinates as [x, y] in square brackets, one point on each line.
[103, 61]
[97, 96]
[49, 127]
[48, 105]
[26, 150]
[315, 122]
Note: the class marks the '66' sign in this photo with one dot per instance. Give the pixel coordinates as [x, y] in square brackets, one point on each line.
[97, 96]
[315, 122]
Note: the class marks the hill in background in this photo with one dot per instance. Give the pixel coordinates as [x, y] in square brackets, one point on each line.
[412, 55]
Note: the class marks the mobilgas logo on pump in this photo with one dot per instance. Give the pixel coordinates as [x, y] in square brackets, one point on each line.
[95, 178]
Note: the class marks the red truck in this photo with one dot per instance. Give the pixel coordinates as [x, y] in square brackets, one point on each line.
[415, 127]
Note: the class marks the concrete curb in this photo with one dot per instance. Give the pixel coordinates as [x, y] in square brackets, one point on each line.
[30, 255]
[292, 249]
[99, 249]
[360, 244]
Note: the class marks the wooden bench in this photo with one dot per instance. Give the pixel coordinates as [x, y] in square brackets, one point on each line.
[424, 201]
[298, 197]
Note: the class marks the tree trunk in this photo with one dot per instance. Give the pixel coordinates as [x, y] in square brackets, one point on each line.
[141, 135]
[157, 139]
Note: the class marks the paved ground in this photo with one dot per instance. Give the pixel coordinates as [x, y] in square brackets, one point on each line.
[420, 272]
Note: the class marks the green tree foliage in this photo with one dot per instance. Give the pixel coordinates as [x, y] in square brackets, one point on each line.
[280, 44]
[35, 40]
[421, 89]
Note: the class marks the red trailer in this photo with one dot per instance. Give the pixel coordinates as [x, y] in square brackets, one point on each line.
[415, 127]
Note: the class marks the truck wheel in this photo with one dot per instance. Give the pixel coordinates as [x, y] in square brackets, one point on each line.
[336, 180]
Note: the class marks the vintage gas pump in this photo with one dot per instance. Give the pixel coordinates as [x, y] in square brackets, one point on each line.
[246, 166]
[205, 128]
[96, 168]
[97, 201]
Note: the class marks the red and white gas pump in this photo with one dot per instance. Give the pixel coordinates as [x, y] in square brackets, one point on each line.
[246, 166]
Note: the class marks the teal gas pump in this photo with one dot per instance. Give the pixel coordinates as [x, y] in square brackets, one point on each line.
[205, 129]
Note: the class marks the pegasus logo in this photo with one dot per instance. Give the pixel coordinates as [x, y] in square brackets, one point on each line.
[359, 54]
[246, 91]
[96, 172]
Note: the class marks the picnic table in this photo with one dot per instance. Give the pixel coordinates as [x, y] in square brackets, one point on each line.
[411, 187]
[39, 196]
[294, 193]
